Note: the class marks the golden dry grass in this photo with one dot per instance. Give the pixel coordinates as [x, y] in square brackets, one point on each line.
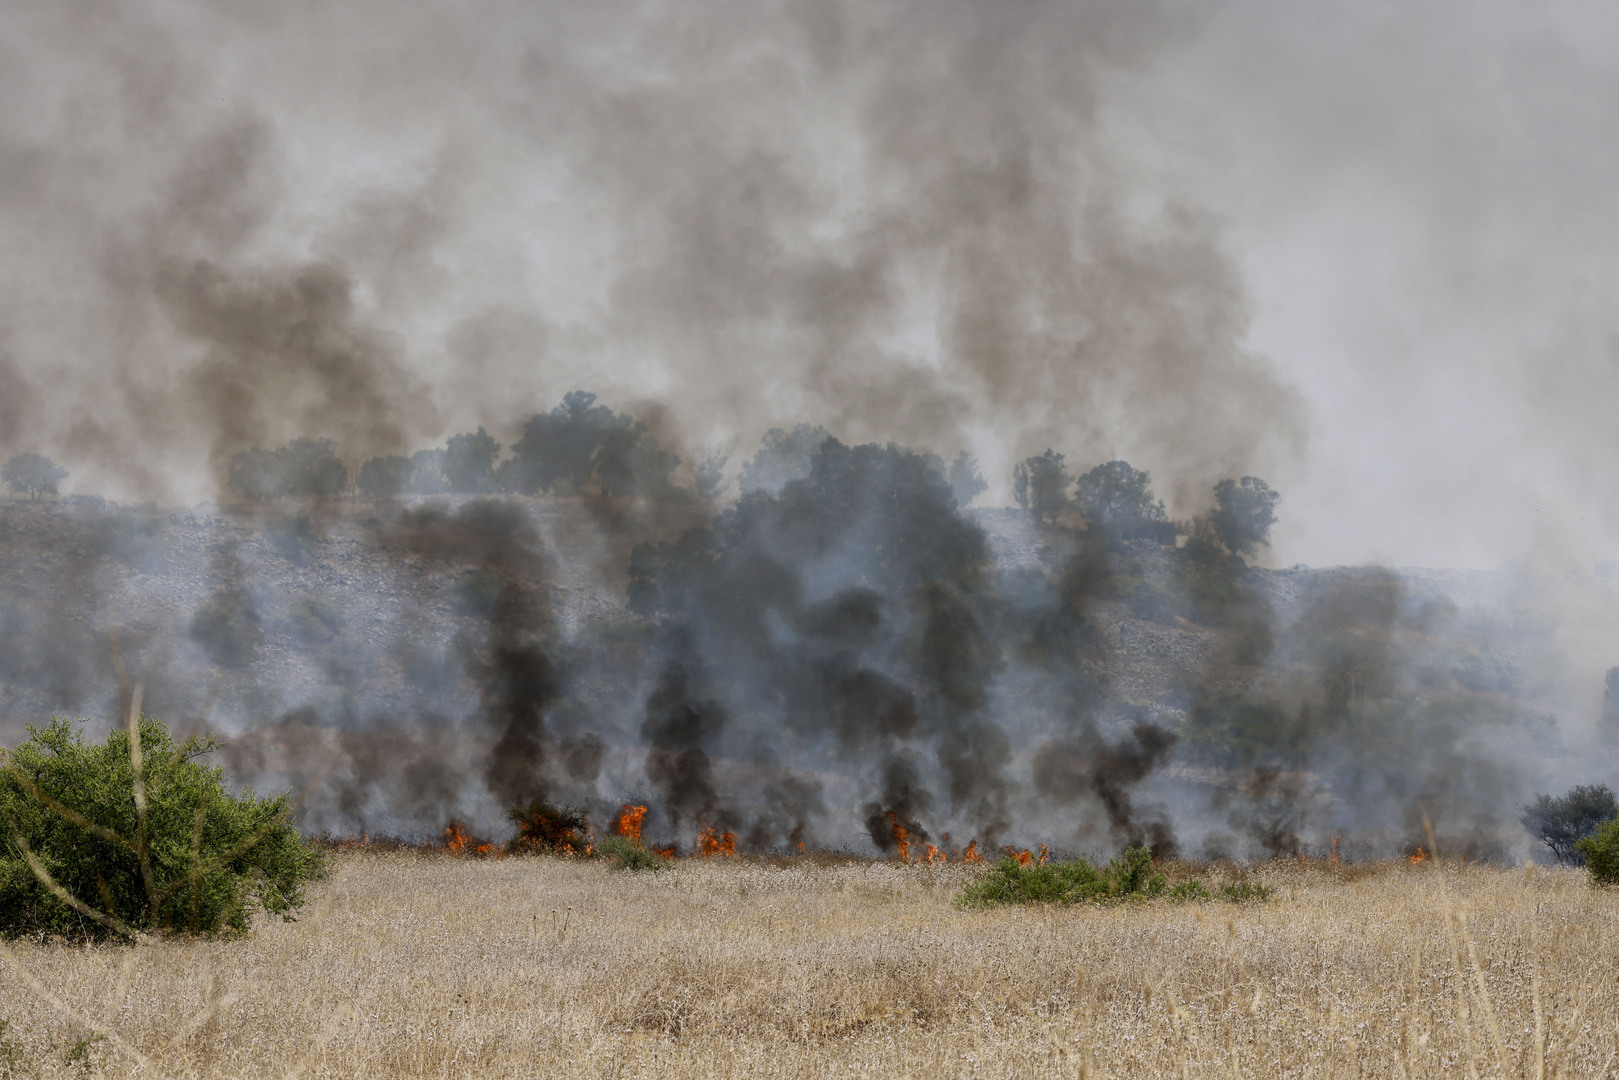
[413, 965]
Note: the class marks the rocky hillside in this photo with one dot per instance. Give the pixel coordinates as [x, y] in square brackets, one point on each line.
[303, 604]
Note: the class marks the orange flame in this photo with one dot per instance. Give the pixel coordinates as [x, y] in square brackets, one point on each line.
[935, 855]
[1023, 857]
[971, 854]
[1420, 856]
[1045, 853]
[460, 841]
[1333, 858]
[628, 821]
[665, 852]
[902, 837]
[722, 844]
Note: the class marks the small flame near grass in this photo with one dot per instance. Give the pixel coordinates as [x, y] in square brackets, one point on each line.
[902, 836]
[710, 843]
[462, 842]
[628, 822]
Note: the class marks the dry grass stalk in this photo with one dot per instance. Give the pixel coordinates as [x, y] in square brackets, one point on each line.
[409, 964]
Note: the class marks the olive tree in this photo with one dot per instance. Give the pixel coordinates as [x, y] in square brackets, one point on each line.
[1040, 485]
[32, 475]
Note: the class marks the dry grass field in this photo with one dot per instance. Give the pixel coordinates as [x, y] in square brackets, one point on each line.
[421, 965]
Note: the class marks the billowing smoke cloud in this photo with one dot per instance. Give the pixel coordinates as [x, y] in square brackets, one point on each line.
[1381, 715]
[232, 227]
[850, 658]
[899, 226]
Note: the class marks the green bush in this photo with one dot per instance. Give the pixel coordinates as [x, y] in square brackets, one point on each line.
[543, 826]
[625, 854]
[71, 860]
[1129, 877]
[1245, 890]
[1601, 851]
[1190, 891]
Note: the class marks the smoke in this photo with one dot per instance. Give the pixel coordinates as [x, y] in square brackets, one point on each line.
[678, 728]
[897, 227]
[1381, 715]
[959, 226]
[851, 658]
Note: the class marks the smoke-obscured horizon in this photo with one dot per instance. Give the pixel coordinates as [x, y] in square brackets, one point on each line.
[845, 655]
[1196, 238]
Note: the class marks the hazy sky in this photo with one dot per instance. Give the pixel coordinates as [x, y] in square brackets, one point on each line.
[1421, 197]
[1366, 251]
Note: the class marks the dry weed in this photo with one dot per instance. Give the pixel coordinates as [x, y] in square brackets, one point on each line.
[409, 965]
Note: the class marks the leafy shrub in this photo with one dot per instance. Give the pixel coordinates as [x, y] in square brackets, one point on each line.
[542, 826]
[1245, 890]
[1560, 823]
[1132, 874]
[1244, 512]
[71, 861]
[1128, 877]
[626, 854]
[1190, 891]
[1601, 853]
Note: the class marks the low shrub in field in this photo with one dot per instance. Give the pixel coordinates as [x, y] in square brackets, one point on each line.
[543, 826]
[623, 853]
[1189, 891]
[1129, 877]
[1601, 852]
[1244, 890]
[77, 859]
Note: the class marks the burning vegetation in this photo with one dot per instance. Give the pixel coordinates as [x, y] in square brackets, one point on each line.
[543, 826]
[849, 639]
[627, 822]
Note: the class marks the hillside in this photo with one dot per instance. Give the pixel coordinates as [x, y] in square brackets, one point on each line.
[362, 636]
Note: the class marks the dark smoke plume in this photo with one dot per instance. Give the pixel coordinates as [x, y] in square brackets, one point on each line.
[764, 205]
[401, 237]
